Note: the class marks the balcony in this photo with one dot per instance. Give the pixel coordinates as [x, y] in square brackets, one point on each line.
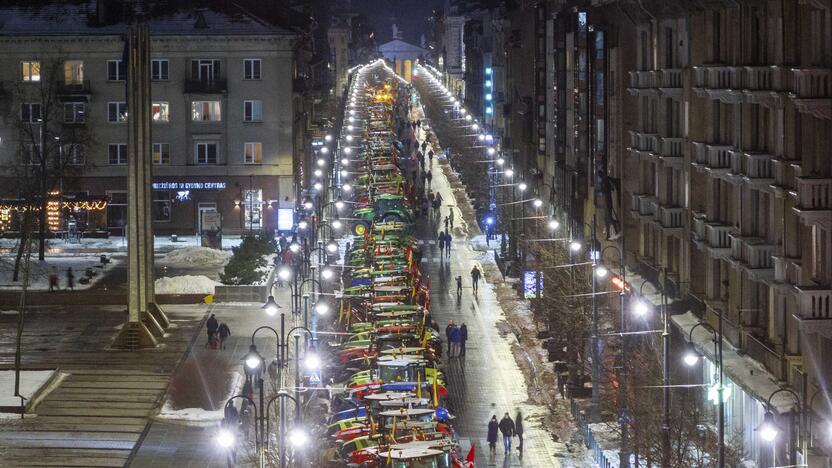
[699, 223]
[643, 142]
[815, 302]
[764, 85]
[766, 355]
[671, 217]
[812, 91]
[754, 168]
[671, 151]
[206, 86]
[670, 83]
[785, 175]
[643, 83]
[754, 256]
[718, 82]
[74, 89]
[787, 270]
[718, 239]
[714, 159]
[643, 205]
[814, 201]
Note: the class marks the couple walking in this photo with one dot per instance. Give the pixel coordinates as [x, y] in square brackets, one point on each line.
[457, 336]
[508, 428]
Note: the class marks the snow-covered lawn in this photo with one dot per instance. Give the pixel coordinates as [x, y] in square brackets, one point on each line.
[194, 256]
[187, 284]
[30, 383]
[39, 271]
[199, 416]
[119, 243]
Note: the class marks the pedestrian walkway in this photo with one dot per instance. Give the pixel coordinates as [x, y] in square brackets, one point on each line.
[487, 381]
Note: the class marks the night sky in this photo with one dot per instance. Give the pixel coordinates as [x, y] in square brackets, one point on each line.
[410, 16]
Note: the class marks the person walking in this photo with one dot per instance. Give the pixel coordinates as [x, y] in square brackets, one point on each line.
[448, 329]
[475, 278]
[70, 279]
[507, 429]
[463, 333]
[451, 216]
[430, 158]
[518, 429]
[448, 240]
[492, 434]
[441, 245]
[429, 177]
[456, 339]
[224, 332]
[53, 281]
[447, 220]
[459, 287]
[211, 326]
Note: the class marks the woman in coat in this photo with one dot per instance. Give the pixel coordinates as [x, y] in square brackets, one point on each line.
[492, 434]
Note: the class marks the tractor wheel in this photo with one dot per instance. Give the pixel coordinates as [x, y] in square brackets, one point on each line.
[360, 228]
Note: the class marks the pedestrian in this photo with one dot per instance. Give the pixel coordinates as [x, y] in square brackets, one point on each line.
[448, 334]
[475, 278]
[518, 429]
[458, 287]
[448, 240]
[424, 146]
[492, 434]
[441, 245]
[456, 339]
[429, 177]
[437, 203]
[463, 331]
[425, 206]
[70, 279]
[430, 158]
[224, 332]
[451, 215]
[447, 220]
[211, 325]
[53, 281]
[507, 428]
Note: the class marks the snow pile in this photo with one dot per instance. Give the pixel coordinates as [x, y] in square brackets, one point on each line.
[30, 383]
[187, 284]
[199, 416]
[195, 256]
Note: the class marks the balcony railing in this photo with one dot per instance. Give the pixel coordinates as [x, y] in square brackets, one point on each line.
[74, 88]
[643, 79]
[700, 153]
[787, 270]
[764, 78]
[206, 86]
[765, 355]
[699, 223]
[815, 302]
[717, 77]
[784, 172]
[643, 141]
[718, 235]
[671, 217]
[643, 204]
[671, 78]
[671, 147]
[814, 194]
[752, 252]
[812, 82]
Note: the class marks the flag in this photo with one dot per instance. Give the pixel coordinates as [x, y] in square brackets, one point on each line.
[435, 392]
[418, 385]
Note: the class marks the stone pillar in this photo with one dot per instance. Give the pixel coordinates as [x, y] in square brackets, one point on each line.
[145, 320]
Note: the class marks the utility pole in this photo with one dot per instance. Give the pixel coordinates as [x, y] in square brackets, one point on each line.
[665, 373]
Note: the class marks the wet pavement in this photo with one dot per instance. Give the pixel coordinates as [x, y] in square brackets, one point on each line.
[486, 381]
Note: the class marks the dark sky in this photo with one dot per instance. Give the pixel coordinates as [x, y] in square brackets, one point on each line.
[409, 15]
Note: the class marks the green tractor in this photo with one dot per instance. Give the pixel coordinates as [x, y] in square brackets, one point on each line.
[387, 208]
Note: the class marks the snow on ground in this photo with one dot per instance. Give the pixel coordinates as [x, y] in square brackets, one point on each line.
[119, 244]
[195, 256]
[39, 271]
[199, 416]
[30, 383]
[187, 284]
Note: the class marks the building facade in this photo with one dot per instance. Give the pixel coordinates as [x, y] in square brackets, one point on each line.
[222, 110]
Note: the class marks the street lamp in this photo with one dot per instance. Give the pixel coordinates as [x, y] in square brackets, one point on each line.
[575, 246]
[553, 225]
[769, 429]
[271, 306]
[321, 308]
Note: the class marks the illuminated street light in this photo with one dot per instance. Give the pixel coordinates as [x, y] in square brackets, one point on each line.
[321, 308]
[284, 273]
[225, 438]
[554, 224]
[491, 151]
[640, 308]
[346, 187]
[349, 137]
[475, 127]
[537, 203]
[690, 358]
[768, 429]
[328, 138]
[298, 437]
[321, 162]
[601, 271]
[317, 186]
[327, 273]
[318, 172]
[468, 118]
[339, 204]
[347, 150]
[312, 361]
[345, 162]
[308, 204]
[509, 173]
[500, 161]
[271, 306]
[575, 246]
[337, 224]
[302, 225]
[522, 186]
[324, 150]
[332, 247]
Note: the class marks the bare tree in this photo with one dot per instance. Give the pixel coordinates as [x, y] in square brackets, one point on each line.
[51, 136]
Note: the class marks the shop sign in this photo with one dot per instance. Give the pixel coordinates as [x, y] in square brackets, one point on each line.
[188, 185]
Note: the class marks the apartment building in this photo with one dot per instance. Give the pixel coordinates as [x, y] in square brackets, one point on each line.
[222, 110]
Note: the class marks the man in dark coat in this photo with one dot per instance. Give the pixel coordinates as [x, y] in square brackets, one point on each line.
[463, 331]
[224, 333]
[212, 326]
[475, 278]
[518, 429]
[507, 428]
[448, 329]
[492, 434]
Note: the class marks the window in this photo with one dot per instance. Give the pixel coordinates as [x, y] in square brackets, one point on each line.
[253, 153]
[161, 112]
[253, 111]
[161, 205]
[73, 154]
[30, 71]
[75, 112]
[205, 69]
[251, 69]
[159, 69]
[116, 70]
[117, 112]
[74, 72]
[207, 153]
[30, 112]
[117, 210]
[117, 153]
[29, 154]
[161, 153]
[252, 204]
[205, 111]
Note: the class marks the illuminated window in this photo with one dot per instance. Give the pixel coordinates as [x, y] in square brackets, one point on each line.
[253, 153]
[117, 112]
[30, 71]
[161, 112]
[161, 153]
[206, 111]
[73, 72]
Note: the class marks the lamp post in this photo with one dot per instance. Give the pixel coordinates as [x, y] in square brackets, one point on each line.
[769, 430]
